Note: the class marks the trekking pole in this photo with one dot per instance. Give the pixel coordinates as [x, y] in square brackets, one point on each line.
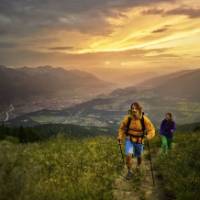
[150, 160]
[121, 152]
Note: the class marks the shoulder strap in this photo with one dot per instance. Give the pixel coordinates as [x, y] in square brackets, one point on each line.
[128, 125]
[143, 124]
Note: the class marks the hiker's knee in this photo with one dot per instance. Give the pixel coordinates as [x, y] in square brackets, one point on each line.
[128, 158]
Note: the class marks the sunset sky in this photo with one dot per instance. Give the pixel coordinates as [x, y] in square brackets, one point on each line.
[100, 33]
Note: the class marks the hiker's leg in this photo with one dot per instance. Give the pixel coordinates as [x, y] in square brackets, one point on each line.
[129, 166]
[138, 150]
[139, 161]
[169, 142]
[129, 153]
[129, 161]
[164, 144]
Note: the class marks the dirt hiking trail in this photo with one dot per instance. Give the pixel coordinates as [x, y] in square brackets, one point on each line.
[140, 187]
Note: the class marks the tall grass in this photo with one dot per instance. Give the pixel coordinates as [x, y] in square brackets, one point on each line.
[59, 169]
[72, 169]
[179, 170]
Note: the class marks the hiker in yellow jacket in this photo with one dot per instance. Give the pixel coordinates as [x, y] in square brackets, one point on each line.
[132, 130]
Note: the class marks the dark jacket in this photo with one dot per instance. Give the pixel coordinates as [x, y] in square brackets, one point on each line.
[167, 128]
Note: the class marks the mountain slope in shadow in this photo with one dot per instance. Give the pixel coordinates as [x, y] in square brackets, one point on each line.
[108, 110]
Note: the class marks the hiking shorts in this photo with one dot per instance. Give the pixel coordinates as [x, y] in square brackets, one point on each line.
[133, 148]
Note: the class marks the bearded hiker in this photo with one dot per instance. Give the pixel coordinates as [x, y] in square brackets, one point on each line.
[132, 130]
[167, 129]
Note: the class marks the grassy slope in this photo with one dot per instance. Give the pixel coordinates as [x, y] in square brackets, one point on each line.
[63, 168]
[178, 171]
[60, 168]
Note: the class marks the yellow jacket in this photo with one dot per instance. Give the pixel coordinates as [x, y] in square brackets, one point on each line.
[135, 128]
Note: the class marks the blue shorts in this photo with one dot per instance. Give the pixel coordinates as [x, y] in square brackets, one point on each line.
[133, 148]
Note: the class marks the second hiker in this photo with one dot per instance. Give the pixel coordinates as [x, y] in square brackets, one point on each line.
[132, 130]
[167, 129]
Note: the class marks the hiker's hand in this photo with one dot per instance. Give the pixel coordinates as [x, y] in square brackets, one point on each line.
[146, 137]
[145, 134]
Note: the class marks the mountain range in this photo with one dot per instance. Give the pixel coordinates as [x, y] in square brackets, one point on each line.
[29, 89]
[176, 93]
[182, 84]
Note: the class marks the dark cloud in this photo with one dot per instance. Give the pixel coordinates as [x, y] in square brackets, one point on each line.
[87, 16]
[33, 22]
[153, 11]
[3, 32]
[190, 12]
[165, 55]
[70, 6]
[29, 57]
[7, 45]
[162, 29]
[61, 48]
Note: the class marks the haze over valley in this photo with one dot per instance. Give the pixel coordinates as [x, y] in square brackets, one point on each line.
[26, 89]
[175, 92]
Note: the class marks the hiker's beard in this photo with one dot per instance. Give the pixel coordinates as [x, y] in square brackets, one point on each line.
[136, 114]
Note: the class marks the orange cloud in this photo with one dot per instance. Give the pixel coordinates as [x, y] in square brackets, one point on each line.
[109, 34]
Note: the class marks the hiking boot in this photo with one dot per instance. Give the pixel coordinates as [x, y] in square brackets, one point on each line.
[129, 175]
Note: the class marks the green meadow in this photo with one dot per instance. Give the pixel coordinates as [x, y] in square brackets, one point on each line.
[63, 167]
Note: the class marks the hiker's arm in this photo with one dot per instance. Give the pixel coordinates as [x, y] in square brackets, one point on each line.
[149, 128]
[174, 127]
[122, 128]
[161, 128]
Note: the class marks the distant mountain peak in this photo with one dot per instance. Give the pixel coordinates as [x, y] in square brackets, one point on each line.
[46, 81]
